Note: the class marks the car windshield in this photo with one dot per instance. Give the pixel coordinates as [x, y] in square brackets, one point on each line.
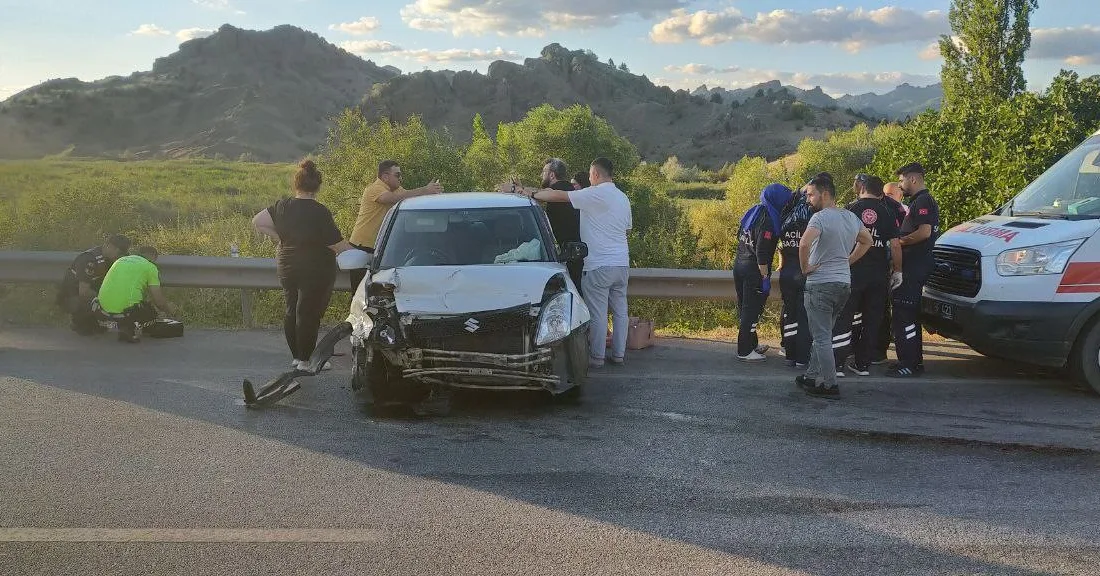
[1069, 189]
[461, 237]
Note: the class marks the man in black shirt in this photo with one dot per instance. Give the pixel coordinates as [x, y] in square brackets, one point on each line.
[83, 279]
[919, 232]
[565, 220]
[892, 196]
[757, 239]
[871, 275]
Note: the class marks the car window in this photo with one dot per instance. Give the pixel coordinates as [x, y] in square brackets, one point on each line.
[462, 237]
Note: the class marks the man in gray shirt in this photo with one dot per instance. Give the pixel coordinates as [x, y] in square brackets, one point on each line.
[826, 254]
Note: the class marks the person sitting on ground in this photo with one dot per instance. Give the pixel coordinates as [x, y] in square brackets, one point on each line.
[130, 291]
[83, 279]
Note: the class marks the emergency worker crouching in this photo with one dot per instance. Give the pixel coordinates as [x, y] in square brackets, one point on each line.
[82, 282]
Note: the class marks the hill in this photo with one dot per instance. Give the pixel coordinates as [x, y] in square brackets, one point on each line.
[660, 122]
[905, 100]
[264, 94]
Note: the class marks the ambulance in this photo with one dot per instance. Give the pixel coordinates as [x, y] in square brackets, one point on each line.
[1023, 283]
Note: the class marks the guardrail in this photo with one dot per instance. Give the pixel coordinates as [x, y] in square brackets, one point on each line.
[259, 274]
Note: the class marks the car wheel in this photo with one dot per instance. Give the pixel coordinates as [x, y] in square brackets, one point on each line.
[573, 366]
[360, 378]
[1086, 360]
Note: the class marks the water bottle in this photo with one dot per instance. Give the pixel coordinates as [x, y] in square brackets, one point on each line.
[234, 252]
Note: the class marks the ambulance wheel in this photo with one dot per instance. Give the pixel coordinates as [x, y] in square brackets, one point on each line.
[1087, 358]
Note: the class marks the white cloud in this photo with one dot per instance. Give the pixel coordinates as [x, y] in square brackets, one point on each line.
[220, 5]
[477, 17]
[192, 33]
[930, 52]
[1076, 46]
[700, 69]
[852, 29]
[370, 46]
[150, 30]
[360, 27]
[460, 55]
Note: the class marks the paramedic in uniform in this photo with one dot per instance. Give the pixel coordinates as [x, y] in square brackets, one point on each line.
[873, 276]
[795, 329]
[757, 238]
[918, 232]
[82, 282]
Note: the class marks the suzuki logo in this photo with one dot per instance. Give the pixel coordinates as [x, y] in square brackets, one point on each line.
[472, 325]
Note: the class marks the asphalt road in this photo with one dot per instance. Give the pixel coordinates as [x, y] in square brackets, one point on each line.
[119, 459]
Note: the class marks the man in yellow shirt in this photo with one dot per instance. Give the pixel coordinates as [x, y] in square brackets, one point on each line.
[377, 199]
[126, 292]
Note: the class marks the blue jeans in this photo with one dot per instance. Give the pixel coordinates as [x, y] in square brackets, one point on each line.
[824, 303]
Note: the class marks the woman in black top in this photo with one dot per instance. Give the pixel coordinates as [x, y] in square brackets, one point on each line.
[757, 238]
[308, 244]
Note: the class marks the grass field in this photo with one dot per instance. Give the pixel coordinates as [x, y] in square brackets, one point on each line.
[201, 207]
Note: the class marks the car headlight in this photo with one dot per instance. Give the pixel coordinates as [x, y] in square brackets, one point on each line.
[555, 319]
[1045, 259]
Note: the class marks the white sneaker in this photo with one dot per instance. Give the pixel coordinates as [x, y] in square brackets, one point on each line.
[839, 373]
[753, 356]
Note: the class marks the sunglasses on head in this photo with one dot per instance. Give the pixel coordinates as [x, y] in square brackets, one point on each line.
[862, 178]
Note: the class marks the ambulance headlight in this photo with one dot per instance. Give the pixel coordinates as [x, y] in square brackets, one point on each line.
[1045, 259]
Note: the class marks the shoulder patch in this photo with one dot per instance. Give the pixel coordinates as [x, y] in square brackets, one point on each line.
[869, 217]
[922, 212]
[767, 235]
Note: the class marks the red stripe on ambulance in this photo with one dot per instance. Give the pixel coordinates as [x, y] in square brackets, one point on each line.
[1081, 278]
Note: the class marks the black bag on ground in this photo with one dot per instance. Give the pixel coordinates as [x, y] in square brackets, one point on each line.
[164, 328]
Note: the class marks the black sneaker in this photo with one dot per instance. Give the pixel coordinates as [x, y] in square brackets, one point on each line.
[854, 369]
[903, 372]
[824, 391]
[804, 382]
[879, 361]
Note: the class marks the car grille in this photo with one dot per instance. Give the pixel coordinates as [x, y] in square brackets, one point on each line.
[958, 271]
[498, 331]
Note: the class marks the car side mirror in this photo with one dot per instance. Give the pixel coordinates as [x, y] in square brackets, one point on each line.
[571, 251]
[354, 259]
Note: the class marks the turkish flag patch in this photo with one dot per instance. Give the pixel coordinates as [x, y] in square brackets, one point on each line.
[767, 235]
[923, 212]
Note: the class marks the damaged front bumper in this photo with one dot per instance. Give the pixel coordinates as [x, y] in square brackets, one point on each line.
[530, 371]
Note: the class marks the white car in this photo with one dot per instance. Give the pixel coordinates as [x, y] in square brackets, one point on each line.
[467, 290]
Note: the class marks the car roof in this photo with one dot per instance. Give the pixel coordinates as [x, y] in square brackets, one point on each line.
[455, 200]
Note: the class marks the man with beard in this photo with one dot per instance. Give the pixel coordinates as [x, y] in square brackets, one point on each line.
[565, 220]
[919, 232]
[795, 329]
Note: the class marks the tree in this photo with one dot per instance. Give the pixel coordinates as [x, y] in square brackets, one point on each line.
[716, 98]
[984, 64]
[481, 157]
[610, 62]
[624, 67]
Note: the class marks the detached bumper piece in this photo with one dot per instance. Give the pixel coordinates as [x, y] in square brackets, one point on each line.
[483, 370]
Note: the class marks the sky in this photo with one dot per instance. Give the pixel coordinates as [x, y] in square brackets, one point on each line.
[871, 46]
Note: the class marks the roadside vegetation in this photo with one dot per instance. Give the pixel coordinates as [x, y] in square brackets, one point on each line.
[989, 139]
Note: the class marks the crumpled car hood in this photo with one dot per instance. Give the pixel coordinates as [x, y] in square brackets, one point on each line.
[446, 290]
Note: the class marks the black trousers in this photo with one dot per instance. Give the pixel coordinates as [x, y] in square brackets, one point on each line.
[861, 320]
[885, 331]
[307, 295]
[82, 319]
[908, 332]
[576, 268]
[358, 274]
[750, 303]
[796, 328]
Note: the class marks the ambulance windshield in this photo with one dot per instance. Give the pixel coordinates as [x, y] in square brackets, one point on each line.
[1068, 190]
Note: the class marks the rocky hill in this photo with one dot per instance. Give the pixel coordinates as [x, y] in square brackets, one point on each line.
[266, 95]
[660, 122]
[905, 100]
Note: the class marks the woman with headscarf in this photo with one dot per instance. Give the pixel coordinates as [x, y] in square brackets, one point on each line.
[757, 238]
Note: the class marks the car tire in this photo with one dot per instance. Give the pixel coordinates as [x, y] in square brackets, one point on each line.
[1086, 358]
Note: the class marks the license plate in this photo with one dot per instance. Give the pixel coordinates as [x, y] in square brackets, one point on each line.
[945, 310]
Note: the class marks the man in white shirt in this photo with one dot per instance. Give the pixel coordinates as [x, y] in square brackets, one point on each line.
[605, 221]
